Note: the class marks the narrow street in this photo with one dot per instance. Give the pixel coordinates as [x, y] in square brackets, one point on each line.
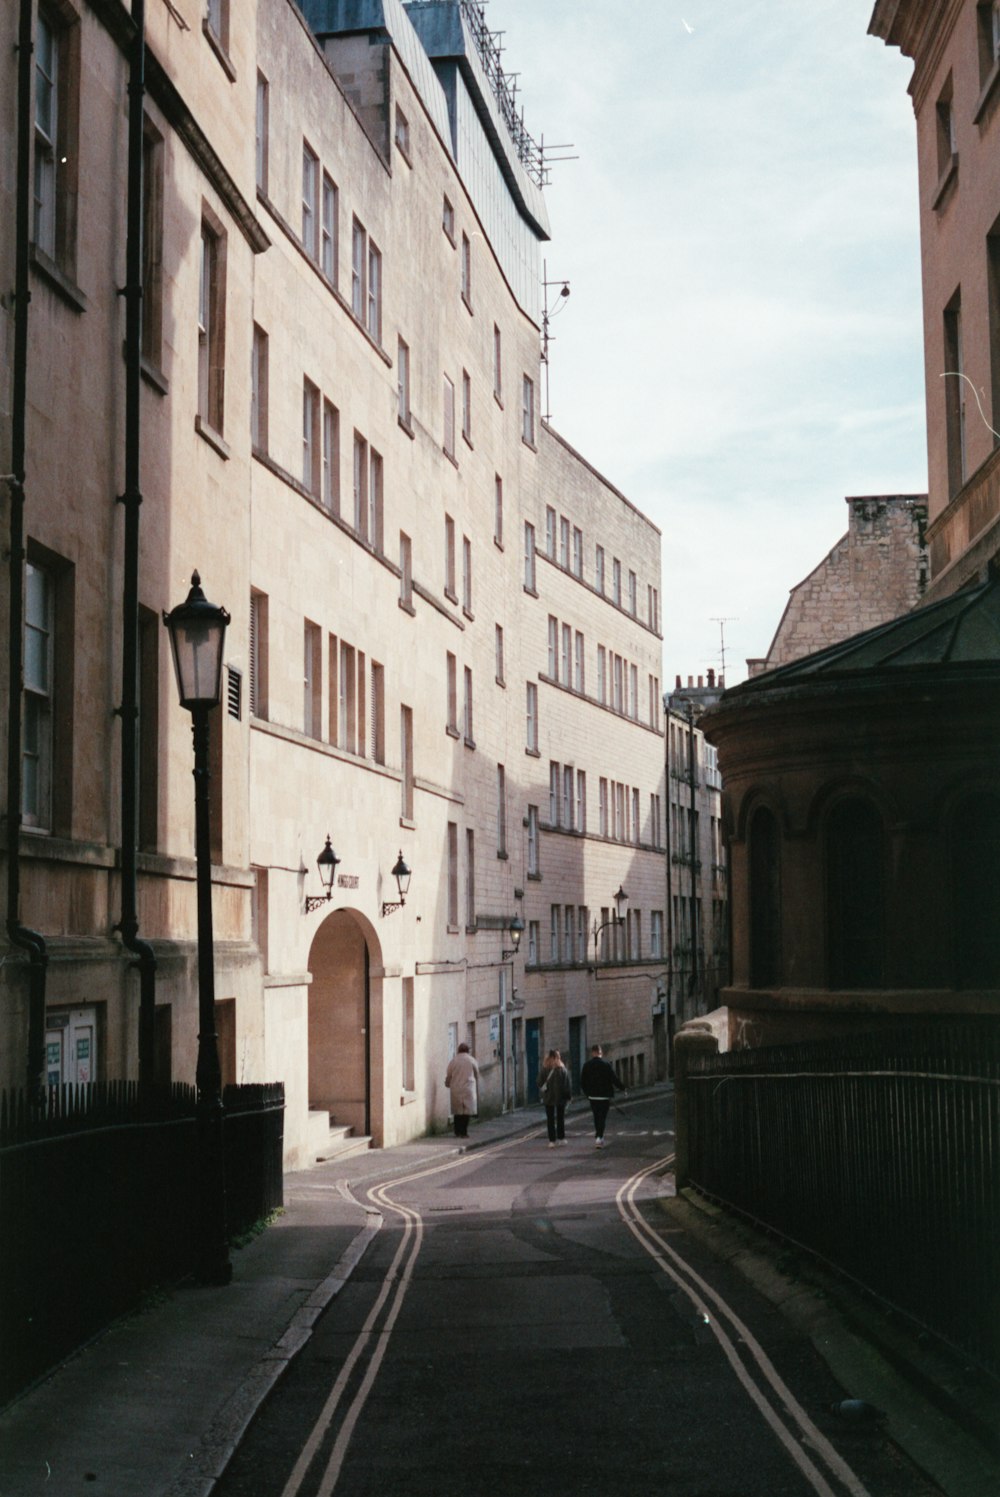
[526, 1321]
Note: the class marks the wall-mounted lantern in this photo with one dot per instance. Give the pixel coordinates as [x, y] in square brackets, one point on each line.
[402, 876]
[327, 865]
[515, 930]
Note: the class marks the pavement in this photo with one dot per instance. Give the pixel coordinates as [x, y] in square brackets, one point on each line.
[155, 1405]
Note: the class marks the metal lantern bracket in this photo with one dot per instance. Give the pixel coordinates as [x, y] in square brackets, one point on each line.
[327, 865]
[618, 918]
[516, 931]
[402, 876]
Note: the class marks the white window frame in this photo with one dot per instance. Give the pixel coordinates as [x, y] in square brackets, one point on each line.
[528, 410]
[328, 229]
[531, 717]
[530, 571]
[310, 201]
[261, 131]
[403, 381]
[37, 737]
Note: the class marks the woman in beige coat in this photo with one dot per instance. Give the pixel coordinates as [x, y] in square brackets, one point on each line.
[462, 1080]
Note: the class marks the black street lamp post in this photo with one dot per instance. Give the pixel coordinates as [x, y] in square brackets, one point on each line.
[197, 634]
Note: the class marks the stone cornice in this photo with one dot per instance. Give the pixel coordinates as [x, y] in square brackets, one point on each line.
[921, 30]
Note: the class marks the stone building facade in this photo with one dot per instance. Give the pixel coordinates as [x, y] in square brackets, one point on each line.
[875, 572]
[862, 797]
[339, 427]
[955, 90]
[697, 871]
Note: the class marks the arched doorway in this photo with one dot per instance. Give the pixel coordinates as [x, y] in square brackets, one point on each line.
[342, 1024]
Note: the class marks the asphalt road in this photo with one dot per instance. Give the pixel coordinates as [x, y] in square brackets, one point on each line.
[527, 1321]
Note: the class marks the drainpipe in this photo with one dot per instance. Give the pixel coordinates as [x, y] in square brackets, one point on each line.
[20, 936]
[669, 876]
[695, 933]
[132, 499]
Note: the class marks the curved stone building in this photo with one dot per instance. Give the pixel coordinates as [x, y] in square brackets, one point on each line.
[862, 804]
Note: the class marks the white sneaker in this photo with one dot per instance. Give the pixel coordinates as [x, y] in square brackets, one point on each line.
[551, 1145]
[561, 1142]
[598, 1143]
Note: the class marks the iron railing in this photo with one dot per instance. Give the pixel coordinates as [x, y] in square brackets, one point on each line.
[879, 1153]
[98, 1205]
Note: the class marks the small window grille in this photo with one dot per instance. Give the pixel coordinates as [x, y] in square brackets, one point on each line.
[234, 692]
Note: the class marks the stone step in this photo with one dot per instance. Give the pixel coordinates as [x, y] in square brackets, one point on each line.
[341, 1142]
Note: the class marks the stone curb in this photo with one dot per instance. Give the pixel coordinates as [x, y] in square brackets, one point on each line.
[947, 1440]
[220, 1440]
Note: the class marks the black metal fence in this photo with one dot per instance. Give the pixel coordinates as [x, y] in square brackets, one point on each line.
[98, 1205]
[880, 1153]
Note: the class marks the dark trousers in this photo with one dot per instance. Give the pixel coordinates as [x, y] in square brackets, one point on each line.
[555, 1116]
[600, 1107]
[461, 1125]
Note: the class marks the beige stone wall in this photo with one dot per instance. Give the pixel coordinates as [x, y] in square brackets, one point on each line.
[248, 521]
[959, 210]
[874, 573]
[577, 728]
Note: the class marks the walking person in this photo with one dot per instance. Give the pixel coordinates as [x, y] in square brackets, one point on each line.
[555, 1089]
[462, 1081]
[599, 1083]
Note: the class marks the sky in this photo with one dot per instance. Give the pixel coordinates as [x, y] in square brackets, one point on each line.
[742, 344]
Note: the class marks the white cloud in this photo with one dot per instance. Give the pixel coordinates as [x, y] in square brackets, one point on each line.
[742, 347]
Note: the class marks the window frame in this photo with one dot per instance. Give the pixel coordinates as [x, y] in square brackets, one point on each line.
[531, 716]
[329, 227]
[211, 324]
[448, 417]
[309, 228]
[330, 492]
[403, 382]
[528, 411]
[311, 438]
[55, 143]
[262, 130]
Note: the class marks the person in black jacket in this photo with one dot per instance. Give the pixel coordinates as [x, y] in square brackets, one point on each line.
[599, 1083]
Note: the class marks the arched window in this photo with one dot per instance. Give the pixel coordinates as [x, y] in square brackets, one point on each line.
[975, 882]
[855, 895]
[765, 900]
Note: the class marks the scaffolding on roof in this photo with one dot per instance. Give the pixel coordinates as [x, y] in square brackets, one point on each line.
[534, 156]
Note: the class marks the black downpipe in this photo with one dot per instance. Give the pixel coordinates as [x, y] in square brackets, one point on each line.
[132, 499]
[27, 940]
[695, 932]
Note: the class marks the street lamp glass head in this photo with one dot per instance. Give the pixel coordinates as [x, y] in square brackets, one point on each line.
[197, 631]
[516, 931]
[327, 865]
[621, 902]
[402, 876]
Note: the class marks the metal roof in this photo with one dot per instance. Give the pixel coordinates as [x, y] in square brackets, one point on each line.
[962, 629]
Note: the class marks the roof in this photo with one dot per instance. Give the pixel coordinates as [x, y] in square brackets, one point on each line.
[962, 629]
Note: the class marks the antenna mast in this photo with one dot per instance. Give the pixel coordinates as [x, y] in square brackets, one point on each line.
[722, 622]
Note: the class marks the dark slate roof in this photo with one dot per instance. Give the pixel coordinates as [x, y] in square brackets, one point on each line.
[963, 629]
